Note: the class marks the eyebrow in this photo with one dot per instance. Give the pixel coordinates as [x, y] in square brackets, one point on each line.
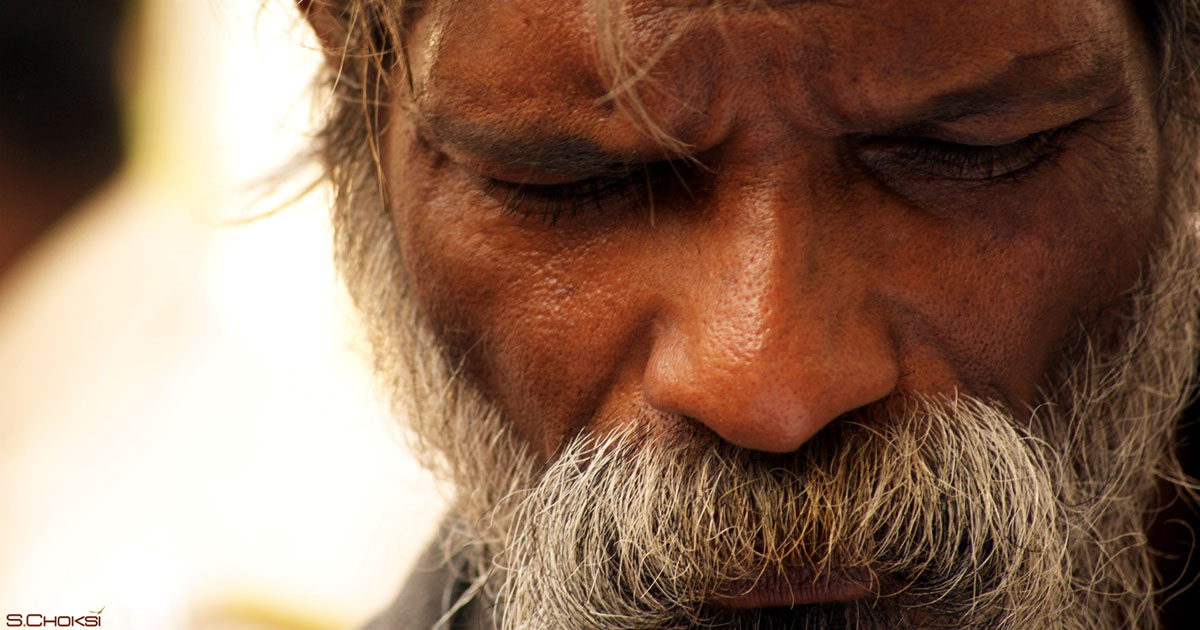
[534, 148]
[546, 150]
[1005, 90]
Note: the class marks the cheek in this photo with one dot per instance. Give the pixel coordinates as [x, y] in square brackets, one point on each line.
[555, 324]
[995, 299]
[540, 320]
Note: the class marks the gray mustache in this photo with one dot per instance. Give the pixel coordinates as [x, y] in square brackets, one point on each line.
[950, 505]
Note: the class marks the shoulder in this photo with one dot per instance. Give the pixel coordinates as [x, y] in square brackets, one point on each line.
[432, 589]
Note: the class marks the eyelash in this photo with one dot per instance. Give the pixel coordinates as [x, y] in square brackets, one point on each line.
[550, 203]
[934, 158]
[953, 161]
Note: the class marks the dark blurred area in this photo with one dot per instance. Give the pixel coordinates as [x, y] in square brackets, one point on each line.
[60, 123]
[1176, 533]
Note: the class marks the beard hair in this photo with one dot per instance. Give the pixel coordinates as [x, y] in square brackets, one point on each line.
[967, 517]
[948, 504]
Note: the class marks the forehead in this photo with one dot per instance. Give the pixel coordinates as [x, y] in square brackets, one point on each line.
[834, 66]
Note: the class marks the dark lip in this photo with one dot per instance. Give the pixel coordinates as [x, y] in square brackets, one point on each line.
[797, 587]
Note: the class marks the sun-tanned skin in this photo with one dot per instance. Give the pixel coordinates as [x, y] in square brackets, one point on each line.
[825, 243]
[865, 314]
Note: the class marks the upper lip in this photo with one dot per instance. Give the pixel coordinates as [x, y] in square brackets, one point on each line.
[795, 587]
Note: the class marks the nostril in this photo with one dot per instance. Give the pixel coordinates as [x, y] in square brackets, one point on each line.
[774, 402]
[745, 407]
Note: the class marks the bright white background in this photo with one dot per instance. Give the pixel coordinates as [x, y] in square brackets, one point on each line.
[188, 433]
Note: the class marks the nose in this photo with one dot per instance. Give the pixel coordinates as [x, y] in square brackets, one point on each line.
[768, 332]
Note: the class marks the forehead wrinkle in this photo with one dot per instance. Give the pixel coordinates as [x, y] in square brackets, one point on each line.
[1009, 76]
[536, 145]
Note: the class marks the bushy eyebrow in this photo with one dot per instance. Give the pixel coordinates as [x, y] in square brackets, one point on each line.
[541, 149]
[532, 148]
[1016, 86]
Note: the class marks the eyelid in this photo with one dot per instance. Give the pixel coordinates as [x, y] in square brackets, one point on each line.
[627, 186]
[550, 202]
[995, 129]
[951, 135]
[529, 176]
[933, 157]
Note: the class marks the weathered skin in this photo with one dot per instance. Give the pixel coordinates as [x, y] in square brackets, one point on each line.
[808, 268]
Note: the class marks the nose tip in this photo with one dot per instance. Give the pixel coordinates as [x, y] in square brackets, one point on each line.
[769, 324]
[764, 399]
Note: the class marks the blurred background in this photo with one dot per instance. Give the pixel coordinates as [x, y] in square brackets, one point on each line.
[188, 433]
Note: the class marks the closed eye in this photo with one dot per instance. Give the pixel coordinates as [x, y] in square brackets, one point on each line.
[940, 159]
[549, 203]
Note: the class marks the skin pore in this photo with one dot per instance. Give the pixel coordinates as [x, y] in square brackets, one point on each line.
[861, 314]
[877, 198]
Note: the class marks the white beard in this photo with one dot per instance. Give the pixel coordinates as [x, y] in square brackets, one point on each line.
[968, 518]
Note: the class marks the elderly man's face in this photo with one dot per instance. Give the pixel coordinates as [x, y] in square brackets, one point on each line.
[823, 261]
[877, 197]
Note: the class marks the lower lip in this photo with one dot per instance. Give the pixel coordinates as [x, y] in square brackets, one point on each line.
[796, 588]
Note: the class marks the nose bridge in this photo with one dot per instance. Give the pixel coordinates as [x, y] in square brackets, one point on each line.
[773, 337]
[762, 261]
